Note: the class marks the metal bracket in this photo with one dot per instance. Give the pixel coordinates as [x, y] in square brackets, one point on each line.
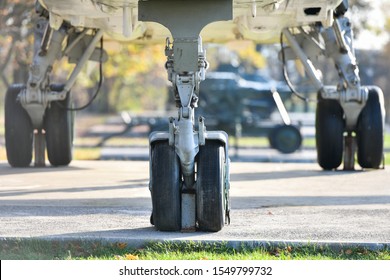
[202, 132]
[188, 213]
[185, 85]
[190, 18]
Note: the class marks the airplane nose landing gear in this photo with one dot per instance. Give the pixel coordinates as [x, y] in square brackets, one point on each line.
[189, 169]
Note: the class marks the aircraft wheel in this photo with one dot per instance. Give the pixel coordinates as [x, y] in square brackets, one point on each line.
[165, 183]
[285, 138]
[58, 124]
[18, 129]
[211, 191]
[369, 131]
[329, 134]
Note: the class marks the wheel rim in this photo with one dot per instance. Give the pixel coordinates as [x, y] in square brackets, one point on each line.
[286, 139]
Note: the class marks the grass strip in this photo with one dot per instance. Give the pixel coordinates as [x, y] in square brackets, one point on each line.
[37, 249]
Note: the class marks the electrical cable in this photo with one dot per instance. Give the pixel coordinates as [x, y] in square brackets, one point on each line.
[99, 83]
[286, 76]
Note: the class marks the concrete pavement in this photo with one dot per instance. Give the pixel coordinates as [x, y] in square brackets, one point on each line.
[110, 200]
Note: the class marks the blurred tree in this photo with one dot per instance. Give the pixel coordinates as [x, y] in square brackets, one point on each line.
[137, 78]
[15, 38]
[371, 20]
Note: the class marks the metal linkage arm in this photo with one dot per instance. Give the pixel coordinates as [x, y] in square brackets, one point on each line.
[186, 86]
[307, 64]
[339, 46]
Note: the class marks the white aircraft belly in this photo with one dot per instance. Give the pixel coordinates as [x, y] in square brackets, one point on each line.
[258, 20]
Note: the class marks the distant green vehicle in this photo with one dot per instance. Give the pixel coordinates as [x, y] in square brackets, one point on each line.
[241, 105]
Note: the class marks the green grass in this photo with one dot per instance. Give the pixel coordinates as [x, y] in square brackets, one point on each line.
[81, 250]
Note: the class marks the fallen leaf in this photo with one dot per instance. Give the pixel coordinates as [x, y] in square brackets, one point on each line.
[348, 252]
[122, 245]
[131, 257]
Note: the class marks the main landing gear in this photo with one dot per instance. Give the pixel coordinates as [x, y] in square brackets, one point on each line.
[367, 137]
[349, 117]
[19, 130]
[39, 115]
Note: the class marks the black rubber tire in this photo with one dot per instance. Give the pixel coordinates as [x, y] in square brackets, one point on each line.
[58, 124]
[370, 130]
[210, 187]
[285, 138]
[165, 183]
[19, 131]
[330, 126]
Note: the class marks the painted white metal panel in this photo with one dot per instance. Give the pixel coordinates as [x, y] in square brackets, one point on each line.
[259, 20]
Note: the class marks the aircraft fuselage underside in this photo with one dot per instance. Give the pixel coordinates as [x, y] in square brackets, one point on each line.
[255, 20]
[189, 168]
